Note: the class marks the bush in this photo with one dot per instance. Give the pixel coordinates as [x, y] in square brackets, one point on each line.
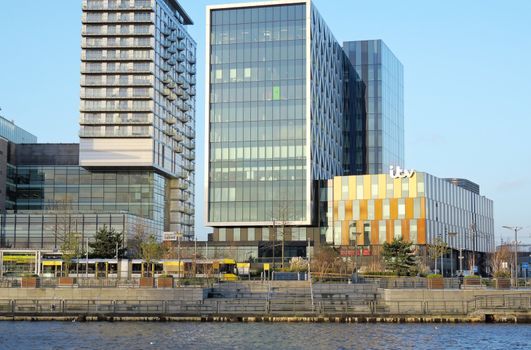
[380, 273]
[28, 274]
[472, 276]
[434, 275]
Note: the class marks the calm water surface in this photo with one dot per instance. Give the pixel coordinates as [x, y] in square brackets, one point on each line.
[213, 336]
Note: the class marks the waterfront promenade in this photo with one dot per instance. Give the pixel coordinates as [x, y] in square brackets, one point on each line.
[266, 301]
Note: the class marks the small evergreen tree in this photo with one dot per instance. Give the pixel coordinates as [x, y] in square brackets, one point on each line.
[105, 242]
[398, 256]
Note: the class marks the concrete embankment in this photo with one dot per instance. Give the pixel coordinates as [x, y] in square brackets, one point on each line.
[266, 302]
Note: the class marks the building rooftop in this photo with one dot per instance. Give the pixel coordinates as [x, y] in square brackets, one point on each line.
[186, 18]
[14, 133]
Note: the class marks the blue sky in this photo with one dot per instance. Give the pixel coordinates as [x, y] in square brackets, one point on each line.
[467, 83]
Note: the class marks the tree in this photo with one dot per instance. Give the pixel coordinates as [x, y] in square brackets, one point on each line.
[438, 249]
[282, 216]
[106, 242]
[70, 248]
[324, 259]
[151, 250]
[134, 244]
[399, 257]
[500, 261]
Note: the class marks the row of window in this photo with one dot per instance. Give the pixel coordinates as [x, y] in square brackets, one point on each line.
[122, 79]
[258, 32]
[258, 52]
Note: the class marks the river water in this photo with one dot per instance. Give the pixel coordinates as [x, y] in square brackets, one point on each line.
[213, 336]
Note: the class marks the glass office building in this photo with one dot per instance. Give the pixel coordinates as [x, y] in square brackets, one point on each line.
[138, 77]
[274, 112]
[376, 130]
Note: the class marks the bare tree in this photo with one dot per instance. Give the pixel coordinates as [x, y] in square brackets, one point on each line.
[500, 261]
[437, 249]
[282, 216]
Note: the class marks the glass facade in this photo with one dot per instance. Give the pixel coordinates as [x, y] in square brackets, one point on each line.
[13, 133]
[419, 209]
[257, 114]
[42, 230]
[382, 85]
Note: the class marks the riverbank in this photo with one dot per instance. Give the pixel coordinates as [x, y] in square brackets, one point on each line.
[297, 301]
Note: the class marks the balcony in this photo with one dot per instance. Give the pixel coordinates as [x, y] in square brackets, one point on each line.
[181, 82]
[184, 107]
[183, 117]
[180, 58]
[166, 43]
[179, 92]
[189, 144]
[180, 68]
[185, 96]
[165, 67]
[165, 56]
[188, 166]
[181, 46]
[178, 138]
[191, 69]
[170, 131]
[188, 132]
[192, 91]
[165, 31]
[179, 196]
[181, 35]
[172, 61]
[170, 120]
[178, 149]
[191, 58]
[172, 48]
[172, 97]
[190, 155]
[166, 92]
[167, 79]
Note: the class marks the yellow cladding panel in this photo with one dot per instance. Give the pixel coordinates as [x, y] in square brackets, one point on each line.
[374, 233]
[397, 186]
[348, 210]
[351, 187]
[405, 230]
[422, 207]
[413, 186]
[366, 186]
[410, 202]
[344, 232]
[382, 186]
[337, 188]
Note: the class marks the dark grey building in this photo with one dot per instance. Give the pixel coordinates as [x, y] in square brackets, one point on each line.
[376, 124]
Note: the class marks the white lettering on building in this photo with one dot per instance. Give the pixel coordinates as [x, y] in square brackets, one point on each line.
[398, 173]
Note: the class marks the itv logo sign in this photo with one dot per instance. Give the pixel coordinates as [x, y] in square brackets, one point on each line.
[398, 173]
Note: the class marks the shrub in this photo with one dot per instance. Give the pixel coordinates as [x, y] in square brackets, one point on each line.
[434, 275]
[472, 276]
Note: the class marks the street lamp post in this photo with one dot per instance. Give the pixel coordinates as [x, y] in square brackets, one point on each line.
[451, 234]
[515, 229]
[352, 224]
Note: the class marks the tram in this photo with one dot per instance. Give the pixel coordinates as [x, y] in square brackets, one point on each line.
[225, 269]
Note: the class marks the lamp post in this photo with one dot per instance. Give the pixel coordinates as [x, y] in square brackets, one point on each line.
[350, 226]
[515, 229]
[451, 235]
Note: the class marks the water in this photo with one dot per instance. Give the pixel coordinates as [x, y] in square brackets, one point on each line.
[213, 336]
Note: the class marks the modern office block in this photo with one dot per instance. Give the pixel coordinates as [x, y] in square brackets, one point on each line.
[274, 109]
[374, 209]
[138, 77]
[375, 127]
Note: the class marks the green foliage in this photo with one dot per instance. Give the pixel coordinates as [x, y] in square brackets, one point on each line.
[398, 257]
[472, 277]
[104, 245]
[71, 248]
[151, 250]
[434, 275]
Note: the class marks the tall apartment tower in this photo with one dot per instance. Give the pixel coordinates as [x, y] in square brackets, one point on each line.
[375, 124]
[274, 112]
[138, 77]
